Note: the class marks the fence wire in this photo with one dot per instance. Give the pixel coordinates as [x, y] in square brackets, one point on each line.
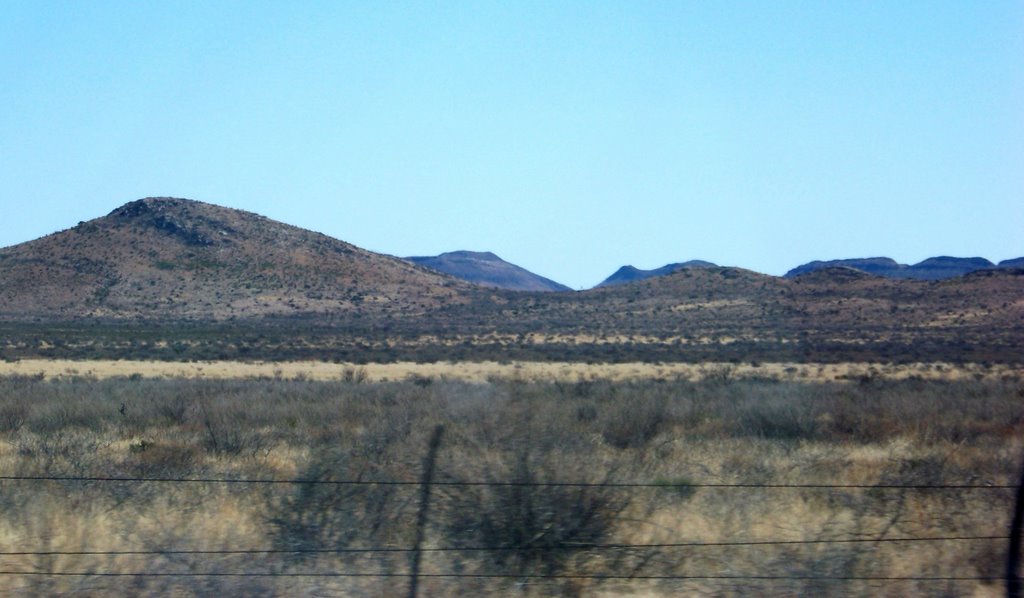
[520, 576]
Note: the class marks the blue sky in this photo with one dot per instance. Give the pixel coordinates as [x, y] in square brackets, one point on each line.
[567, 137]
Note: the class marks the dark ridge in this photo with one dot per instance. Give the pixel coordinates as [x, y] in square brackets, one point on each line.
[880, 266]
[935, 268]
[833, 274]
[628, 274]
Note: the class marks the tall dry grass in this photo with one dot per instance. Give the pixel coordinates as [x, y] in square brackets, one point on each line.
[674, 434]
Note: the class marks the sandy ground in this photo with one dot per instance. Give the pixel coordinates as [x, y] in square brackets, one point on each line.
[482, 371]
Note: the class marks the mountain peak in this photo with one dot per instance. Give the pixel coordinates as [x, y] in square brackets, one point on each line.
[627, 274]
[945, 261]
[484, 256]
[195, 223]
[145, 205]
[487, 269]
[178, 258]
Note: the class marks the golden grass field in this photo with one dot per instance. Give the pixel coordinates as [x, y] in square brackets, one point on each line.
[677, 426]
[486, 370]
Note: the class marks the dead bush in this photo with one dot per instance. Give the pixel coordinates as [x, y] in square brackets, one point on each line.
[525, 527]
[634, 421]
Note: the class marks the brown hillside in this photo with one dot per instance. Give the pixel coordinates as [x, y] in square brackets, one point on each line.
[177, 258]
[730, 313]
[172, 278]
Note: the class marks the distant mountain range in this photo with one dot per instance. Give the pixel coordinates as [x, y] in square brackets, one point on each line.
[171, 278]
[182, 258]
[487, 269]
[936, 268]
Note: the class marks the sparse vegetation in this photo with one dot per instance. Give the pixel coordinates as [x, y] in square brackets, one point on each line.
[173, 279]
[673, 434]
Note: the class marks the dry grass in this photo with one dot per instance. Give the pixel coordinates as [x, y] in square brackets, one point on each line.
[676, 433]
[488, 370]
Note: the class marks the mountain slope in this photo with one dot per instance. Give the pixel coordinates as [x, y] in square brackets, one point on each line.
[832, 314]
[487, 269]
[935, 268]
[628, 274]
[177, 258]
[879, 266]
[172, 278]
[938, 268]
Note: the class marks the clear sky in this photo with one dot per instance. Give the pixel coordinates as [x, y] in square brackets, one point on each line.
[567, 137]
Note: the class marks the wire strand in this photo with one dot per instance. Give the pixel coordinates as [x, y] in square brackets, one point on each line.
[512, 576]
[495, 548]
[662, 485]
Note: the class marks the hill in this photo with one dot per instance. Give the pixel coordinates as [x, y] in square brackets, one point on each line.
[168, 258]
[628, 274]
[176, 279]
[487, 269]
[935, 268]
[718, 314]
[879, 266]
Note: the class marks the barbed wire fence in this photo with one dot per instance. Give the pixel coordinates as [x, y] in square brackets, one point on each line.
[426, 483]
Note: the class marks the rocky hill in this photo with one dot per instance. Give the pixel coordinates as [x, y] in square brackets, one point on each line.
[177, 279]
[487, 269]
[168, 258]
